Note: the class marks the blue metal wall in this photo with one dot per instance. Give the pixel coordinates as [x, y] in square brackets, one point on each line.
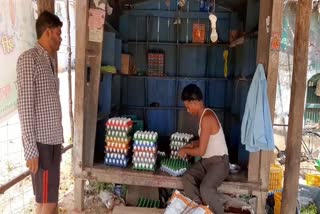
[150, 26]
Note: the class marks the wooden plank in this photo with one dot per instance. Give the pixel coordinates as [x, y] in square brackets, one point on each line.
[47, 5]
[93, 54]
[262, 58]
[80, 82]
[298, 91]
[272, 76]
[157, 179]
[79, 112]
[136, 210]
[79, 195]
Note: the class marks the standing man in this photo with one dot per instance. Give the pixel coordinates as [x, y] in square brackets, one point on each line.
[40, 112]
[201, 181]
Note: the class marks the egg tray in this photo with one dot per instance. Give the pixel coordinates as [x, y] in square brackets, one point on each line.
[144, 160]
[117, 139]
[145, 143]
[126, 129]
[149, 203]
[172, 172]
[113, 133]
[109, 150]
[143, 168]
[142, 154]
[151, 149]
[176, 145]
[118, 145]
[174, 155]
[115, 155]
[145, 136]
[183, 137]
[174, 167]
[123, 163]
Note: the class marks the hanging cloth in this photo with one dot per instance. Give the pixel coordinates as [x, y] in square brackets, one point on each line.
[256, 127]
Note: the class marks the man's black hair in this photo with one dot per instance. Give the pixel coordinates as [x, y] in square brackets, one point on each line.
[191, 92]
[46, 20]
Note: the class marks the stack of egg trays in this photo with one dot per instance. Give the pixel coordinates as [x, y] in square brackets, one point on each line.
[145, 202]
[174, 167]
[118, 141]
[177, 141]
[145, 150]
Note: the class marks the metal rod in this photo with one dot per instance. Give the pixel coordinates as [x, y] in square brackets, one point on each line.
[23, 175]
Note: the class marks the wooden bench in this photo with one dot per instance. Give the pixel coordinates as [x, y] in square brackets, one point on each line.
[235, 184]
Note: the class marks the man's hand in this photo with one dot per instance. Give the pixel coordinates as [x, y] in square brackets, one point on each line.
[33, 165]
[182, 153]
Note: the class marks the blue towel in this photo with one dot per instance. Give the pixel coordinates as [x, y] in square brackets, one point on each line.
[256, 127]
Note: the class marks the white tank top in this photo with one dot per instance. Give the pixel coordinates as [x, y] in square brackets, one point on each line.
[217, 143]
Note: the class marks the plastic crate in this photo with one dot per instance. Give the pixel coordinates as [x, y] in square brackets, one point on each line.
[313, 179]
[275, 178]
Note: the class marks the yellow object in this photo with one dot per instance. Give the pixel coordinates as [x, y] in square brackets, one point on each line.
[275, 178]
[277, 202]
[225, 57]
[313, 179]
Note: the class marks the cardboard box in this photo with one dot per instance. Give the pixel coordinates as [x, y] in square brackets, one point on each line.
[198, 33]
[126, 64]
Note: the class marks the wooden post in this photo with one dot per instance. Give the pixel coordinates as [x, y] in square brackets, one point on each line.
[80, 82]
[269, 37]
[298, 89]
[46, 5]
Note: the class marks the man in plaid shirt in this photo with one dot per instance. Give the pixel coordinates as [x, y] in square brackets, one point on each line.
[40, 112]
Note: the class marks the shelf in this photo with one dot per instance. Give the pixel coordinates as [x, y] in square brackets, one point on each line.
[173, 14]
[168, 108]
[234, 183]
[176, 78]
[178, 44]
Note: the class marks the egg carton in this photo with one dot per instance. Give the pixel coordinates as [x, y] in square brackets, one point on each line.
[117, 150]
[116, 162]
[182, 137]
[145, 143]
[116, 156]
[119, 121]
[145, 202]
[117, 145]
[174, 155]
[174, 167]
[145, 136]
[152, 149]
[116, 133]
[118, 139]
[144, 166]
[173, 172]
[176, 145]
[142, 154]
[143, 160]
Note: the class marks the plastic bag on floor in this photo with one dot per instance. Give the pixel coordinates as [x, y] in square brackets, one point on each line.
[107, 198]
[180, 204]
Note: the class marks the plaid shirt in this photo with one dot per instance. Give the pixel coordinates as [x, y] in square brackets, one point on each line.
[38, 100]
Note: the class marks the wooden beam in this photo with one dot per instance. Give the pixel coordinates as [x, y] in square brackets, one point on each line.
[80, 82]
[93, 58]
[270, 28]
[262, 58]
[106, 174]
[45, 5]
[136, 210]
[298, 89]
